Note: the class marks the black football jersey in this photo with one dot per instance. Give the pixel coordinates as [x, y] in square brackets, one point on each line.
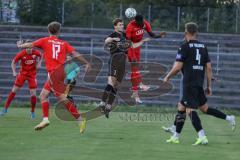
[194, 56]
[117, 47]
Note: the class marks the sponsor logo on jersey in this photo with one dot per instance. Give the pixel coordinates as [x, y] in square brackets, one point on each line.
[139, 32]
[29, 62]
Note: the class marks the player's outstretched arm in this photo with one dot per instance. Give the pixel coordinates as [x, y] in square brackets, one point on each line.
[209, 78]
[13, 65]
[160, 35]
[20, 44]
[138, 44]
[81, 59]
[110, 40]
[175, 69]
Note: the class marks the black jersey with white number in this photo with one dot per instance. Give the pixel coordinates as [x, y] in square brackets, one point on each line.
[117, 47]
[194, 56]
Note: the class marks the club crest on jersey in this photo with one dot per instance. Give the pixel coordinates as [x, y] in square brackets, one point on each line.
[179, 56]
[33, 56]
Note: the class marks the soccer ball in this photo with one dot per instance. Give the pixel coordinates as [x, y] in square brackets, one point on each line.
[130, 12]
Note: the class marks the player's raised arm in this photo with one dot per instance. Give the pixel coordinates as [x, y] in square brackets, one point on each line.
[139, 20]
[81, 59]
[160, 35]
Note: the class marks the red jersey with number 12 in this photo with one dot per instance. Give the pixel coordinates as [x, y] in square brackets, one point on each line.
[55, 51]
[135, 33]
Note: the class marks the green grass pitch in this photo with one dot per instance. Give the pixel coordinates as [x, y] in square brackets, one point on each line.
[111, 139]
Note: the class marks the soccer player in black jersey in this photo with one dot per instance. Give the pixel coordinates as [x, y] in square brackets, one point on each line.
[193, 60]
[118, 45]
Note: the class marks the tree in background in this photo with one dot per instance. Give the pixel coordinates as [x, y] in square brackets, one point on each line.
[164, 14]
[39, 11]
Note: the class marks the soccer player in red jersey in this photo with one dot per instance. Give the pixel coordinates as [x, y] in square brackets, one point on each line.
[135, 31]
[55, 53]
[30, 60]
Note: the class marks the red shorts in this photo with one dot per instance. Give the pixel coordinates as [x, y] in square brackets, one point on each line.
[32, 81]
[134, 54]
[55, 83]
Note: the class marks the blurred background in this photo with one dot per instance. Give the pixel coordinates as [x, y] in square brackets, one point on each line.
[211, 15]
[86, 23]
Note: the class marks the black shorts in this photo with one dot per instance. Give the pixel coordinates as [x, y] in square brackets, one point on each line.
[116, 65]
[193, 97]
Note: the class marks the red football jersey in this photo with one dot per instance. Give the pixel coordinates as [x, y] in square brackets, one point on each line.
[28, 62]
[55, 51]
[135, 32]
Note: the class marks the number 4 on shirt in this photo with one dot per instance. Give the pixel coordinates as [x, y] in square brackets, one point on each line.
[198, 56]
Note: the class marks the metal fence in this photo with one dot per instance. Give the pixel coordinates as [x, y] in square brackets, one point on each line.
[169, 18]
[100, 15]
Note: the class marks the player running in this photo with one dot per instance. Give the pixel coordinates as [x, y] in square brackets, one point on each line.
[134, 32]
[193, 60]
[30, 60]
[118, 46]
[55, 52]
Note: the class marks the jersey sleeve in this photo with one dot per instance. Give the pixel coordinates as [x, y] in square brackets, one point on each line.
[69, 48]
[129, 31]
[181, 54]
[148, 27]
[38, 43]
[18, 56]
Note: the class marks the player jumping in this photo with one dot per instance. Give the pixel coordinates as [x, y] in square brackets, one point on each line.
[55, 52]
[118, 46]
[30, 60]
[134, 32]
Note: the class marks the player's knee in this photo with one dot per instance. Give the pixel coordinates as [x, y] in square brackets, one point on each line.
[33, 92]
[40, 97]
[181, 107]
[204, 108]
[115, 84]
[43, 97]
[189, 111]
[15, 89]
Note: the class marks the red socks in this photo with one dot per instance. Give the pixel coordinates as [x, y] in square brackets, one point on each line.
[9, 100]
[45, 109]
[12, 95]
[135, 78]
[72, 109]
[33, 103]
